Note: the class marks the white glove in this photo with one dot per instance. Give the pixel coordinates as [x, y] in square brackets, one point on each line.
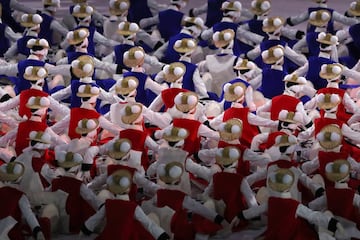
[40, 236]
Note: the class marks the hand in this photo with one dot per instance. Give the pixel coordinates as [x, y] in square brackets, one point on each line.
[40, 236]
[85, 176]
[235, 222]
[340, 232]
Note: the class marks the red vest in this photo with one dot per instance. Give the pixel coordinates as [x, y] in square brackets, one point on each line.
[76, 114]
[282, 102]
[168, 95]
[78, 209]
[119, 220]
[249, 130]
[24, 97]
[243, 167]
[22, 135]
[192, 142]
[341, 113]
[283, 223]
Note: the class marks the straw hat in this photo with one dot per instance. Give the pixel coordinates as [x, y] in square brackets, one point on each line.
[281, 179]
[82, 10]
[327, 38]
[327, 100]
[68, 159]
[127, 28]
[260, 7]
[79, 1]
[131, 112]
[30, 20]
[38, 102]
[354, 9]
[39, 42]
[77, 36]
[338, 170]
[134, 57]
[273, 54]
[34, 73]
[227, 156]
[83, 66]
[186, 101]
[331, 71]
[223, 38]
[294, 78]
[175, 134]
[174, 71]
[51, 3]
[87, 90]
[272, 24]
[193, 21]
[119, 148]
[290, 117]
[231, 129]
[185, 45]
[234, 91]
[319, 18]
[120, 181]
[126, 85]
[330, 136]
[118, 7]
[244, 64]
[87, 125]
[285, 140]
[12, 171]
[171, 165]
[40, 136]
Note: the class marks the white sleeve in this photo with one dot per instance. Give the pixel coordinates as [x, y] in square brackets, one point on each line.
[301, 71]
[318, 204]
[149, 187]
[256, 176]
[348, 132]
[153, 61]
[11, 52]
[9, 69]
[8, 138]
[295, 20]
[90, 154]
[255, 211]
[159, 119]
[297, 58]
[156, 104]
[350, 73]
[313, 217]
[11, 35]
[108, 96]
[310, 166]
[61, 126]
[63, 70]
[260, 121]
[59, 109]
[198, 170]
[256, 159]
[301, 45]
[110, 68]
[55, 25]
[106, 124]
[10, 104]
[153, 86]
[93, 221]
[154, 229]
[146, 22]
[100, 39]
[98, 182]
[151, 144]
[199, 84]
[350, 105]
[248, 194]
[200, 10]
[258, 140]
[55, 138]
[207, 34]
[89, 197]
[198, 208]
[356, 200]
[27, 213]
[254, 53]
[343, 19]
[207, 132]
[256, 81]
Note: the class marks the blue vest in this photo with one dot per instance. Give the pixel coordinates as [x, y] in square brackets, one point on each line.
[138, 10]
[73, 56]
[226, 103]
[45, 30]
[313, 45]
[119, 51]
[188, 82]
[170, 54]
[255, 26]
[8, 19]
[312, 75]
[214, 13]
[21, 45]
[4, 42]
[143, 95]
[239, 47]
[169, 23]
[91, 46]
[330, 25]
[22, 83]
[272, 82]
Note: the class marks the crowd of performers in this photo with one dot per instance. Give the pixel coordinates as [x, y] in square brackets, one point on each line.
[149, 122]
